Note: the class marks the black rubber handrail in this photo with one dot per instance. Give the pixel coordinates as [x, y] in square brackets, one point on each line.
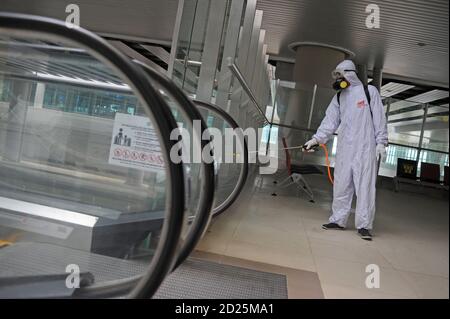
[203, 215]
[21, 25]
[244, 167]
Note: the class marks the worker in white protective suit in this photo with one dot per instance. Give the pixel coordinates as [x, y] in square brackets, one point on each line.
[362, 140]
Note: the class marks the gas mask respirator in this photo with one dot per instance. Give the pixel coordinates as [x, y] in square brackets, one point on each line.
[340, 83]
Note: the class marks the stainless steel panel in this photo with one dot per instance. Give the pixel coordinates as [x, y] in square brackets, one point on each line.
[246, 33]
[255, 82]
[229, 51]
[136, 55]
[211, 50]
[253, 50]
[243, 52]
[47, 212]
[175, 37]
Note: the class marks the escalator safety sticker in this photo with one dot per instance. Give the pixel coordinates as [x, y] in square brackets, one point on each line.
[135, 144]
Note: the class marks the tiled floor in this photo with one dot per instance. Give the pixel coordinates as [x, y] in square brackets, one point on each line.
[410, 246]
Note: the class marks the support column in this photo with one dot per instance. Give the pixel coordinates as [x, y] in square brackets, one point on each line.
[422, 130]
[362, 73]
[377, 78]
[39, 95]
[313, 67]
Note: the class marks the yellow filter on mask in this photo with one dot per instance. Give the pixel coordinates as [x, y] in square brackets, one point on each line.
[343, 84]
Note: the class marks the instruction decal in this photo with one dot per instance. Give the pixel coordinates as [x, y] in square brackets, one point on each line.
[135, 144]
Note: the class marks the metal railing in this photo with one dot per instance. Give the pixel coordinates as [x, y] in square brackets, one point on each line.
[238, 74]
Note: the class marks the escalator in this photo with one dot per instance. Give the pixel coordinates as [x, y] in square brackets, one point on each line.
[186, 114]
[231, 175]
[91, 203]
[88, 189]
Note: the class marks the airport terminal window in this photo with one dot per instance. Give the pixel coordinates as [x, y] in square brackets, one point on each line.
[5, 88]
[395, 152]
[91, 102]
[210, 121]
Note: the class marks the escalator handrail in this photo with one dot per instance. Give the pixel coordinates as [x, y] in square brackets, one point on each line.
[203, 216]
[244, 170]
[14, 24]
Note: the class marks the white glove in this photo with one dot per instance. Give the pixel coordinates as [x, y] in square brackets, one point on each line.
[311, 143]
[381, 152]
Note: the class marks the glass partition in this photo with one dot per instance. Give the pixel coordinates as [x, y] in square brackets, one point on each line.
[231, 160]
[191, 45]
[294, 139]
[413, 137]
[301, 106]
[436, 129]
[227, 173]
[186, 69]
[199, 174]
[405, 122]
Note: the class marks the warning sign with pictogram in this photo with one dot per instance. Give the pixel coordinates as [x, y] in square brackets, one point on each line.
[135, 144]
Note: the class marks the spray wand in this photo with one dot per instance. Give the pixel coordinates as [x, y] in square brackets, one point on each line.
[313, 149]
[327, 159]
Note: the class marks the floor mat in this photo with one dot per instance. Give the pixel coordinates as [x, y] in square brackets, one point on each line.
[199, 279]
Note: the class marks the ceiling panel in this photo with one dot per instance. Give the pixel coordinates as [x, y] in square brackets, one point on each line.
[430, 96]
[398, 105]
[392, 88]
[418, 113]
[394, 46]
[145, 20]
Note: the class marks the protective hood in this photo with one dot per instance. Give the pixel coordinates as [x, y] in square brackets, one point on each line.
[349, 70]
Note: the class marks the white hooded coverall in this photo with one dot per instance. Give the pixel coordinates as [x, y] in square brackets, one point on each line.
[359, 134]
